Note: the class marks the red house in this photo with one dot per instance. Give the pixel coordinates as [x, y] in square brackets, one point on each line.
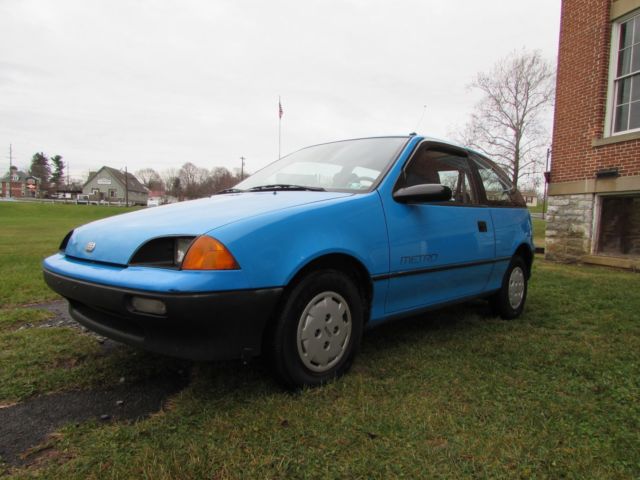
[21, 184]
[594, 189]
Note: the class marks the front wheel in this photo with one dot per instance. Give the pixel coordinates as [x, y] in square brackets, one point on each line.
[318, 331]
[509, 301]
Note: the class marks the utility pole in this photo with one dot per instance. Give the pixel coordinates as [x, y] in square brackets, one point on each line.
[242, 159]
[126, 187]
[10, 169]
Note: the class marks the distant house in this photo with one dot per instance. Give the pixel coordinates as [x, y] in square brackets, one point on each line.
[111, 185]
[594, 190]
[156, 197]
[68, 191]
[160, 197]
[530, 197]
[22, 184]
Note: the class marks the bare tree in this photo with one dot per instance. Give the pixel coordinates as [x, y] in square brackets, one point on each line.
[171, 180]
[191, 181]
[192, 178]
[150, 178]
[508, 123]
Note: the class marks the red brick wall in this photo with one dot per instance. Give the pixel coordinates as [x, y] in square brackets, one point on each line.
[17, 189]
[581, 96]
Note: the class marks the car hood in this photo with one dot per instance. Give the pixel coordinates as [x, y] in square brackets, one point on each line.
[117, 238]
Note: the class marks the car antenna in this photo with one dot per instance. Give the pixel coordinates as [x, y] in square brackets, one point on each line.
[424, 109]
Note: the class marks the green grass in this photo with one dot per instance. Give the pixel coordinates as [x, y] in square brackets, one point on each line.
[36, 361]
[539, 228]
[29, 232]
[456, 393]
[538, 208]
[13, 317]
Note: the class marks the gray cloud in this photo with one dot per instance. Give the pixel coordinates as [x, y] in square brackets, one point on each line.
[156, 84]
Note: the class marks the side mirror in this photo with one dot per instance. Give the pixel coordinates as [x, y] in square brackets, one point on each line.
[424, 193]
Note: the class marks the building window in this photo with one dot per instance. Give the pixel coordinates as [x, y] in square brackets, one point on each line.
[626, 101]
[619, 226]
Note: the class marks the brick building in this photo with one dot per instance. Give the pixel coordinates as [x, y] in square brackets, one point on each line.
[594, 190]
[20, 183]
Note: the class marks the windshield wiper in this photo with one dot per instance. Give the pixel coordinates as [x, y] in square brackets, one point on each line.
[285, 186]
[230, 190]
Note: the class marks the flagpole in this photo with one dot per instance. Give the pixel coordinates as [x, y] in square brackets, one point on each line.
[279, 128]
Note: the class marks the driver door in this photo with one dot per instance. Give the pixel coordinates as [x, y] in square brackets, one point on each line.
[441, 251]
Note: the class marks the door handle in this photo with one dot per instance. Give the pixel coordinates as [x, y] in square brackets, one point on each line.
[482, 226]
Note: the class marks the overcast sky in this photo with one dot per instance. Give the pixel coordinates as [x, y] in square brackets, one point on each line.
[159, 83]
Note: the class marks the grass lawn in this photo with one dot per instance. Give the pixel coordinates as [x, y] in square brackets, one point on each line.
[539, 228]
[456, 393]
[538, 208]
[28, 233]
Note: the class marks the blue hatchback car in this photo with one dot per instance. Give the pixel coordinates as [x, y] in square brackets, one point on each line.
[301, 257]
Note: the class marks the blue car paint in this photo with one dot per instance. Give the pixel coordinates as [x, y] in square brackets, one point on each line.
[273, 235]
[274, 247]
[424, 238]
[512, 229]
[117, 238]
[451, 237]
[148, 279]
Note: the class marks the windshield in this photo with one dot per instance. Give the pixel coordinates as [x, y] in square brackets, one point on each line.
[354, 165]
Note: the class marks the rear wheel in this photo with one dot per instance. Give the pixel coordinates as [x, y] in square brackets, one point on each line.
[509, 301]
[318, 331]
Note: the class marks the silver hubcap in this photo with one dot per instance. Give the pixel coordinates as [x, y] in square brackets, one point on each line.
[324, 331]
[516, 287]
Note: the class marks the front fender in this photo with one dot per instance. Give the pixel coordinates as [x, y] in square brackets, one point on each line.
[272, 248]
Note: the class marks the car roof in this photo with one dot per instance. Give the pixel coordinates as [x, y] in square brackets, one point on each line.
[420, 137]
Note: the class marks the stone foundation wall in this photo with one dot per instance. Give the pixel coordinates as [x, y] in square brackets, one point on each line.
[569, 227]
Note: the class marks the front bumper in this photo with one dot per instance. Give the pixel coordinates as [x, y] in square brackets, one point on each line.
[196, 326]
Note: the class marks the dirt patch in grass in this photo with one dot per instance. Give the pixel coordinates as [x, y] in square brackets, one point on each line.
[59, 317]
[26, 425]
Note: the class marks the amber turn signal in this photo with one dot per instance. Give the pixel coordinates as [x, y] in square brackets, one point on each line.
[206, 253]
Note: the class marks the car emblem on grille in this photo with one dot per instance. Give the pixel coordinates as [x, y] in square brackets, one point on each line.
[90, 247]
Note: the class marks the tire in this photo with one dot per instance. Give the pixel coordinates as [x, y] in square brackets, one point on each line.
[318, 331]
[509, 301]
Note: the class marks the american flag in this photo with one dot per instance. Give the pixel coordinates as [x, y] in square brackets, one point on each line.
[280, 111]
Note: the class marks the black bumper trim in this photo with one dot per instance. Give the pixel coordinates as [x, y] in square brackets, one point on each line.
[197, 326]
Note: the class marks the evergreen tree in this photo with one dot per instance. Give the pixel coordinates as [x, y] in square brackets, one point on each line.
[41, 170]
[58, 170]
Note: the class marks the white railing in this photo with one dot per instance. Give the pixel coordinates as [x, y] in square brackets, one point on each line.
[72, 201]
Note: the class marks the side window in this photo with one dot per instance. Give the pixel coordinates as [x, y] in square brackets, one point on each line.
[439, 166]
[498, 190]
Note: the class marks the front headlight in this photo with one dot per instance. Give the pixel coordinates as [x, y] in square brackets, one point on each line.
[163, 252]
[187, 253]
[180, 249]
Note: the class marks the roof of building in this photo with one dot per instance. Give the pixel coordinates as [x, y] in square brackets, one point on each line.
[132, 183]
[22, 176]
